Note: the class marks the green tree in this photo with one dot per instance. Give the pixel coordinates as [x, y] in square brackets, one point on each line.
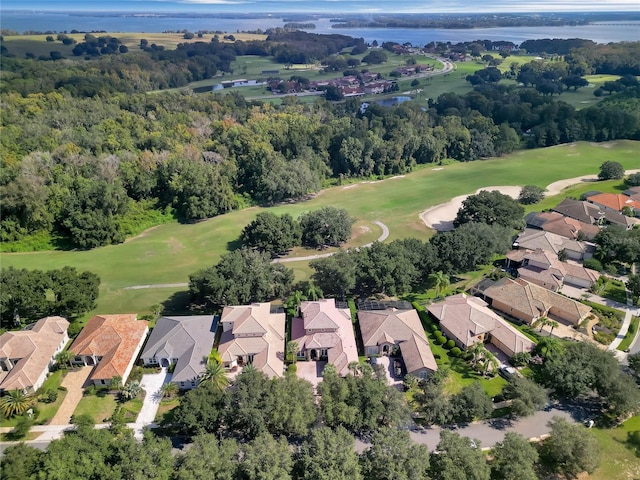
[292, 351]
[458, 458]
[328, 226]
[200, 410]
[514, 459]
[64, 358]
[610, 171]
[15, 402]
[168, 390]
[633, 180]
[328, 455]
[335, 275]
[633, 284]
[571, 449]
[471, 403]
[284, 417]
[549, 347]
[530, 194]
[439, 281]
[208, 459]
[634, 362]
[393, 456]
[525, 395]
[266, 458]
[490, 207]
[214, 375]
[271, 233]
[20, 462]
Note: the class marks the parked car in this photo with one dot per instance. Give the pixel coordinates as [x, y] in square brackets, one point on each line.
[507, 372]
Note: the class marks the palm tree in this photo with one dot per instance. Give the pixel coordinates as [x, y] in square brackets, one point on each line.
[168, 390]
[477, 350]
[294, 301]
[314, 292]
[553, 324]
[130, 391]
[292, 350]
[489, 361]
[542, 322]
[549, 347]
[215, 375]
[63, 359]
[214, 356]
[15, 402]
[439, 280]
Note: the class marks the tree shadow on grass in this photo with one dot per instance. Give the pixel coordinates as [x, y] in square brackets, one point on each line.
[234, 245]
[179, 304]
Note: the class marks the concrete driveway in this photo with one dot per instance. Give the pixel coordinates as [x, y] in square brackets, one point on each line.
[311, 371]
[151, 384]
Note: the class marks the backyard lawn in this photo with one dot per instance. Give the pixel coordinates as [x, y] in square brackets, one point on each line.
[619, 451]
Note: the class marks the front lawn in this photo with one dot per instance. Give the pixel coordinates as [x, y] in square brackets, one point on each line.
[615, 290]
[163, 415]
[461, 373]
[630, 335]
[100, 407]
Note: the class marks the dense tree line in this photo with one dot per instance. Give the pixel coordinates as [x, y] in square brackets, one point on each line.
[29, 295]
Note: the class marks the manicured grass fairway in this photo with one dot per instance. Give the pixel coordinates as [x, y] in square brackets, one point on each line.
[169, 253]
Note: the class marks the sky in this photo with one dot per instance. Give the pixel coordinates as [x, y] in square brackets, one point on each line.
[323, 6]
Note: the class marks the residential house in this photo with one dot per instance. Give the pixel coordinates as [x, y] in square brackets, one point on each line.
[633, 192]
[391, 331]
[532, 239]
[185, 343]
[528, 302]
[26, 356]
[251, 334]
[589, 213]
[325, 332]
[616, 203]
[111, 343]
[557, 223]
[468, 320]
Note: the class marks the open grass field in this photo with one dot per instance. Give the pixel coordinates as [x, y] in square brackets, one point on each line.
[619, 451]
[100, 406]
[170, 252]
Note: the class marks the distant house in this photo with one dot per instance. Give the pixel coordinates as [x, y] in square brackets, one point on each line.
[111, 343]
[633, 192]
[532, 239]
[324, 332]
[390, 331]
[528, 302]
[615, 202]
[184, 342]
[591, 213]
[557, 223]
[468, 320]
[251, 334]
[26, 356]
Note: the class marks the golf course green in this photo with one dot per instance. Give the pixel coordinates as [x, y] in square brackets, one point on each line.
[167, 254]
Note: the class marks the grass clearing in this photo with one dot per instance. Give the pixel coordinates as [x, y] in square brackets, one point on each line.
[170, 252]
[163, 415]
[619, 451]
[100, 406]
[630, 335]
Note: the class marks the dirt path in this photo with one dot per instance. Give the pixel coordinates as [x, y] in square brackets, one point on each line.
[73, 382]
[441, 217]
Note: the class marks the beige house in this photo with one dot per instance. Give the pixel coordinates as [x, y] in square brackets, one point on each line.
[528, 302]
[468, 320]
[386, 332]
[26, 356]
[531, 239]
[325, 332]
[251, 334]
[111, 343]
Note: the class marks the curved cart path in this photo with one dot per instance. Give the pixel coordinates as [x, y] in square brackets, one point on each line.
[440, 217]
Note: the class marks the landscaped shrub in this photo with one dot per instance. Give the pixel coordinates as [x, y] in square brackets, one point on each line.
[604, 338]
[450, 344]
[520, 359]
[440, 340]
[62, 389]
[455, 351]
[434, 328]
[293, 368]
[49, 396]
[593, 264]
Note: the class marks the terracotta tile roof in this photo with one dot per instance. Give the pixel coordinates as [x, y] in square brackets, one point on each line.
[614, 201]
[398, 326]
[262, 336]
[113, 337]
[338, 337]
[33, 350]
[533, 300]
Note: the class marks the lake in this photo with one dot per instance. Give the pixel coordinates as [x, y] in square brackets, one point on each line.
[21, 21]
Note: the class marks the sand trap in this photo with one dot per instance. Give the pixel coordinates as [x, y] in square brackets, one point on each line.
[441, 217]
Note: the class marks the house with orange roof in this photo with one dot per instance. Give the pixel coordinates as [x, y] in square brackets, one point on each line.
[615, 202]
[391, 331]
[27, 356]
[325, 332]
[251, 334]
[110, 343]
